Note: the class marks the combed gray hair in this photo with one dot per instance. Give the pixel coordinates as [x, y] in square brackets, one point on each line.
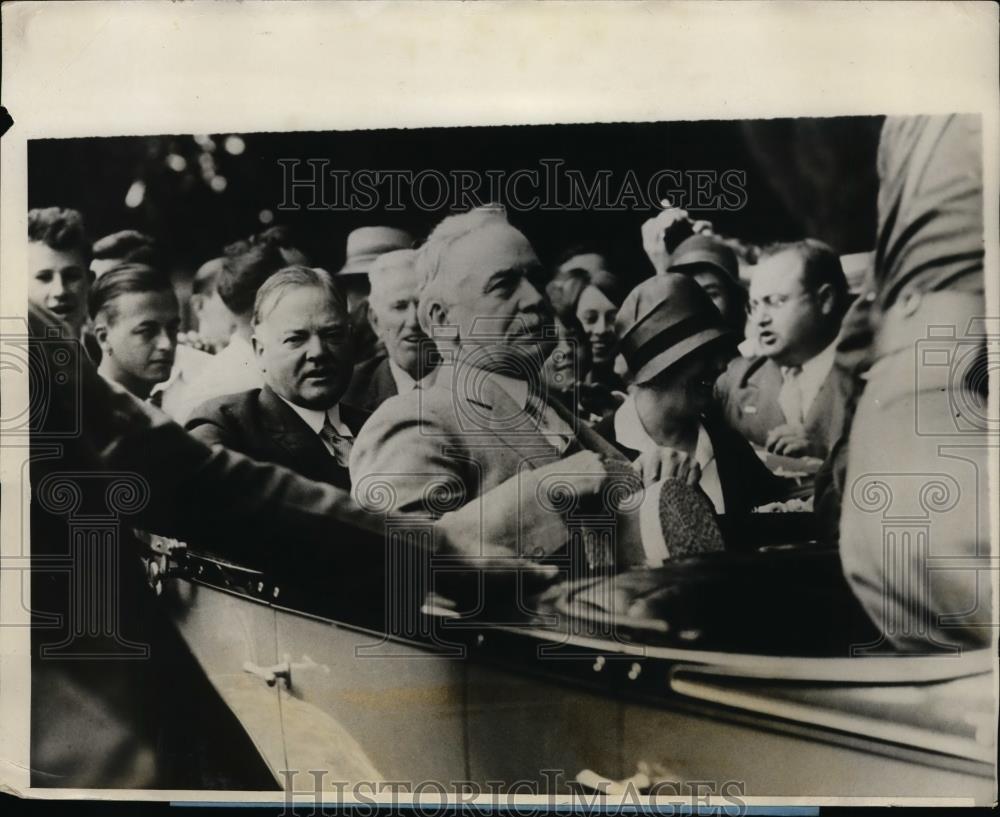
[293, 278]
[431, 254]
[393, 260]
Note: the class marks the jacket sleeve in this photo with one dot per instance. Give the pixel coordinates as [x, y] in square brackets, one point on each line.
[195, 493]
[406, 461]
[208, 423]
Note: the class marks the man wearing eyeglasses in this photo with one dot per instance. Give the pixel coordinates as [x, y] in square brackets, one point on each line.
[791, 399]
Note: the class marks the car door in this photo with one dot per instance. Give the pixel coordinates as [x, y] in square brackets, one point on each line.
[226, 622]
[362, 708]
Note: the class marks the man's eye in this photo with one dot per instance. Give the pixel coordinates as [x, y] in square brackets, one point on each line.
[292, 340]
[43, 277]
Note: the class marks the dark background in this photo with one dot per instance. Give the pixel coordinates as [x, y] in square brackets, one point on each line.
[811, 177]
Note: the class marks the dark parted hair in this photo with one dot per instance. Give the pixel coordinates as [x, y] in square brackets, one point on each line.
[244, 272]
[123, 280]
[127, 246]
[822, 266]
[296, 277]
[59, 228]
[565, 288]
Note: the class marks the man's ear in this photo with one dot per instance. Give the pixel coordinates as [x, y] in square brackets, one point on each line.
[437, 316]
[826, 299]
[101, 336]
[258, 350]
[197, 302]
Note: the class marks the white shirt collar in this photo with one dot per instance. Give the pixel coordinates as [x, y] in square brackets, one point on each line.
[630, 432]
[404, 382]
[814, 373]
[315, 418]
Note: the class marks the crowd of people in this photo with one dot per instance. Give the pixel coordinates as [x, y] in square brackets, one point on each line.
[459, 374]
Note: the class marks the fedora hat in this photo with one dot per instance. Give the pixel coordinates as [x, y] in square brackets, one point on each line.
[664, 319]
[365, 244]
[705, 249]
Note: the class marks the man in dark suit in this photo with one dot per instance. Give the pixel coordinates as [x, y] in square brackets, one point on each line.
[302, 343]
[392, 313]
[792, 398]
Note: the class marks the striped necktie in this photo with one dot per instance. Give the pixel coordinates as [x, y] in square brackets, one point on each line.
[340, 444]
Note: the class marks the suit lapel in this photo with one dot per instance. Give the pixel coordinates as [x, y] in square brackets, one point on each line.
[384, 383]
[764, 386]
[291, 433]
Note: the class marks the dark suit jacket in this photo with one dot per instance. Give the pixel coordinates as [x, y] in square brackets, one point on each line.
[261, 425]
[748, 394]
[120, 455]
[371, 385]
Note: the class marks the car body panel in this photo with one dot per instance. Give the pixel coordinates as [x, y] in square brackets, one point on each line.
[467, 700]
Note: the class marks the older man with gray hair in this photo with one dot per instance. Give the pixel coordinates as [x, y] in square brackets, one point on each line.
[408, 362]
[485, 428]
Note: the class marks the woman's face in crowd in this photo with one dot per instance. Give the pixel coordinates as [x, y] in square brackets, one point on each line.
[59, 281]
[597, 314]
[566, 366]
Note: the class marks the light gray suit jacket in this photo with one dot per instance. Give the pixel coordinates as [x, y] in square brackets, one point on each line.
[465, 455]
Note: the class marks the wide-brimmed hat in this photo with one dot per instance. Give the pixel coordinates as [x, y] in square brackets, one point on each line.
[705, 249]
[365, 244]
[664, 319]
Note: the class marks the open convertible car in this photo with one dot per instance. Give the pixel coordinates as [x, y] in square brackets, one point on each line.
[753, 673]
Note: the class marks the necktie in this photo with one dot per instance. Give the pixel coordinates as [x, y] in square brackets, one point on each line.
[340, 444]
[790, 397]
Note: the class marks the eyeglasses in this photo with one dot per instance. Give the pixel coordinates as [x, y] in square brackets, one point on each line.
[772, 302]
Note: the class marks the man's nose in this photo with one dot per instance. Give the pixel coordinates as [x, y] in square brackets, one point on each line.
[411, 320]
[528, 297]
[57, 288]
[165, 340]
[315, 347]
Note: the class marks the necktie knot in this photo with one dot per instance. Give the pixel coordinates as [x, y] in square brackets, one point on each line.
[340, 444]
[790, 398]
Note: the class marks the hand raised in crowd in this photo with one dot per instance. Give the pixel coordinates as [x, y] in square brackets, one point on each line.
[661, 230]
[667, 463]
[790, 440]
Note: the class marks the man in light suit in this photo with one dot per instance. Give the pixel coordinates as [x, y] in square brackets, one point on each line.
[482, 453]
[792, 399]
[301, 339]
[392, 312]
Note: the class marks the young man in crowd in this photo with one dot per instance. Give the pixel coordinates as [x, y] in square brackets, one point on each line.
[123, 247]
[302, 343]
[59, 274]
[234, 369]
[791, 399]
[136, 318]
